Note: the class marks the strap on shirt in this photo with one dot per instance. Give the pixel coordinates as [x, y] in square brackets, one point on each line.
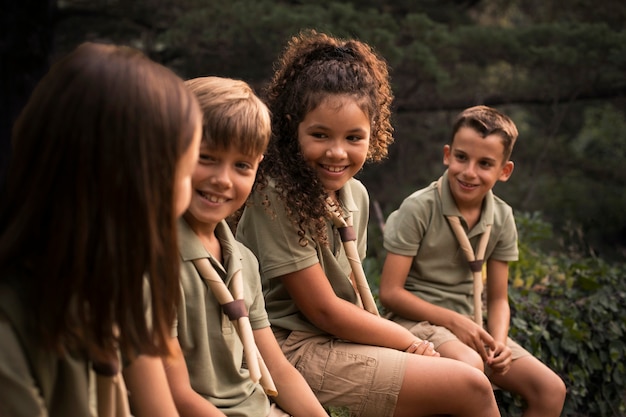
[475, 260]
[348, 238]
[232, 304]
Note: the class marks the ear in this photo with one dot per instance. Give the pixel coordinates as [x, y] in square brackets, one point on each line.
[507, 170]
[446, 155]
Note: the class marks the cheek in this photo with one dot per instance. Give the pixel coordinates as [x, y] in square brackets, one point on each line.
[182, 196]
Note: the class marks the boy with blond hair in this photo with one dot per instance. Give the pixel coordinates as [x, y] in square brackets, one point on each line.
[222, 321]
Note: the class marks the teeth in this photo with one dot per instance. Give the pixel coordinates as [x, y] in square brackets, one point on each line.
[213, 198]
[334, 169]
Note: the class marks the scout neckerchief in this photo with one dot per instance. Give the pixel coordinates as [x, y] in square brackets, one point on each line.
[111, 394]
[348, 238]
[475, 261]
[234, 307]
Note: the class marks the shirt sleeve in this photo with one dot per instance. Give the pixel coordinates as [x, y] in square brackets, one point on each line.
[19, 395]
[406, 227]
[506, 248]
[269, 232]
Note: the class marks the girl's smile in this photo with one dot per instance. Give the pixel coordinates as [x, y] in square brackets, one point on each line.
[334, 140]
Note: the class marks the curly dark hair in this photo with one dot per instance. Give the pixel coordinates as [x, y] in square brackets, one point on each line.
[313, 66]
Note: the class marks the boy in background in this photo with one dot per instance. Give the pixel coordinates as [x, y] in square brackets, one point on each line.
[426, 281]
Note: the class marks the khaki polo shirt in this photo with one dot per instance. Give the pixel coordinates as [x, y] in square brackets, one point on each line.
[213, 351]
[270, 234]
[35, 381]
[439, 273]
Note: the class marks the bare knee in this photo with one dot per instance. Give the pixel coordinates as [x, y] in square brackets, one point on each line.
[551, 394]
[543, 390]
[461, 352]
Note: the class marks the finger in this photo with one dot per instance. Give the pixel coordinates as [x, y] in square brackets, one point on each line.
[426, 348]
[482, 350]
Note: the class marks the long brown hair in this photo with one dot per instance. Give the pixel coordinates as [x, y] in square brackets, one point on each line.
[87, 214]
[313, 66]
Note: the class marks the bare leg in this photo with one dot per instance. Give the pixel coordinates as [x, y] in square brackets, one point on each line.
[543, 390]
[455, 349]
[441, 386]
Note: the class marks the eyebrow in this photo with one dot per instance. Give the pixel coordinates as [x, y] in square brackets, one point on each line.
[494, 160]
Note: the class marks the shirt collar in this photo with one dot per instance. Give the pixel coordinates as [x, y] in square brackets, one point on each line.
[192, 248]
[347, 199]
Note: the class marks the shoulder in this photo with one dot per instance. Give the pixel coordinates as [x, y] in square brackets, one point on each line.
[421, 203]
[502, 210]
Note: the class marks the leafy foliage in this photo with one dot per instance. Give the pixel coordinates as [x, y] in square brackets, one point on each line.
[568, 310]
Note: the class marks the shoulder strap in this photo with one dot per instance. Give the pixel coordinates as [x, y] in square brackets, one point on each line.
[234, 307]
[475, 260]
[348, 238]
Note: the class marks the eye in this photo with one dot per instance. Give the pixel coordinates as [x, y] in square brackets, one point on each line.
[354, 138]
[243, 166]
[206, 158]
[460, 156]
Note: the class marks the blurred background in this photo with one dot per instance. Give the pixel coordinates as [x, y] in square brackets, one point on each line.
[558, 68]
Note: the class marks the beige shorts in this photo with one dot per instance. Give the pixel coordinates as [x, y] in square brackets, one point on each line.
[364, 379]
[439, 335]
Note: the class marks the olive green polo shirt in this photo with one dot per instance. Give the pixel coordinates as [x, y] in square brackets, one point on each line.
[212, 349]
[36, 381]
[273, 238]
[439, 272]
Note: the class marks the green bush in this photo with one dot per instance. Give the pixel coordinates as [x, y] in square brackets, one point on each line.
[569, 311]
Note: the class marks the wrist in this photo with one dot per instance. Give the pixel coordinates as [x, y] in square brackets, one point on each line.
[416, 344]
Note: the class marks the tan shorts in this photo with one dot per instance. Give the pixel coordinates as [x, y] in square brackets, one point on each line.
[365, 379]
[439, 335]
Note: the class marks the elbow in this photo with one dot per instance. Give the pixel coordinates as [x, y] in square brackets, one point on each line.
[323, 319]
[385, 297]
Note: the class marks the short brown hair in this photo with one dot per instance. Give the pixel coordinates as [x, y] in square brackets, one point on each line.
[488, 121]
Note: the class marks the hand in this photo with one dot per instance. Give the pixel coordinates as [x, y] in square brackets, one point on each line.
[422, 347]
[474, 336]
[500, 359]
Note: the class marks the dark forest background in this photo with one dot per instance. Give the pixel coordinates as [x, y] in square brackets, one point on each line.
[559, 69]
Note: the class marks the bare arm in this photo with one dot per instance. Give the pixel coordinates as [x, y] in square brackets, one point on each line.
[148, 389]
[498, 314]
[188, 402]
[314, 296]
[294, 394]
[396, 298]
[498, 310]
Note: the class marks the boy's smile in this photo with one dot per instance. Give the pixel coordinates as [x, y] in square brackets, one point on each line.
[334, 140]
[475, 164]
[221, 184]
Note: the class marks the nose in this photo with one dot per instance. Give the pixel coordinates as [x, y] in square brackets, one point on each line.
[470, 169]
[221, 178]
[336, 150]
